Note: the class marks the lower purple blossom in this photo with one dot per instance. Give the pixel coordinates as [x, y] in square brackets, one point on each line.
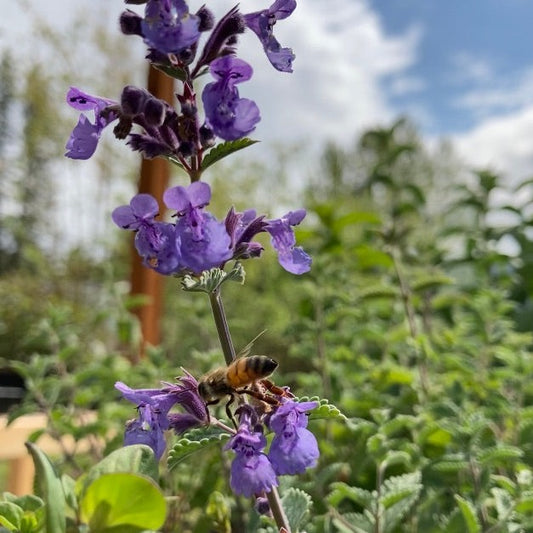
[251, 471]
[294, 448]
[153, 406]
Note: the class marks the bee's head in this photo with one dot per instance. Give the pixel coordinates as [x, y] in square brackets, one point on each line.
[204, 391]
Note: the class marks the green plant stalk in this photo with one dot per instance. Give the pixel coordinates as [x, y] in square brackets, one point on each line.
[277, 511]
[228, 349]
[222, 326]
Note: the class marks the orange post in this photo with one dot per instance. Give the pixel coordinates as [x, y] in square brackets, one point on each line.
[154, 180]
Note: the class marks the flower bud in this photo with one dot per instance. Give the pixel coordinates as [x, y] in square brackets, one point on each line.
[154, 112]
[133, 100]
[130, 23]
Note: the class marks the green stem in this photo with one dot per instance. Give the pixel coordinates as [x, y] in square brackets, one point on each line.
[277, 511]
[221, 323]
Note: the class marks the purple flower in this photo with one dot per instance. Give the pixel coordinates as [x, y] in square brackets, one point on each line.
[153, 408]
[155, 241]
[141, 212]
[242, 227]
[294, 448]
[291, 257]
[251, 471]
[168, 27]
[85, 135]
[202, 240]
[229, 116]
[204, 246]
[262, 24]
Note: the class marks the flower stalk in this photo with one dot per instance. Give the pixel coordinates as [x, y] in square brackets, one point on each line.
[222, 326]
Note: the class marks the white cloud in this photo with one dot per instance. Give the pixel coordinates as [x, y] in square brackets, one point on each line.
[505, 93]
[502, 143]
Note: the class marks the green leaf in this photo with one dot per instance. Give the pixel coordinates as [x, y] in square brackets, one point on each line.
[123, 502]
[324, 410]
[136, 459]
[354, 523]
[28, 502]
[525, 504]
[341, 491]
[499, 454]
[193, 442]
[296, 503]
[173, 72]
[10, 515]
[504, 503]
[211, 280]
[225, 149]
[469, 514]
[431, 282]
[50, 489]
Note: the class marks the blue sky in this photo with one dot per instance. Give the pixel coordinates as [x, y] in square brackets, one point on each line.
[466, 49]
[462, 69]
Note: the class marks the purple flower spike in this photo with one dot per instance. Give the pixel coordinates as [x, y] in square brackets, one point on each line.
[262, 24]
[168, 27]
[294, 448]
[84, 137]
[251, 471]
[229, 116]
[291, 257]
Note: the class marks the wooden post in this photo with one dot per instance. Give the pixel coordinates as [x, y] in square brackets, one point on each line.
[153, 180]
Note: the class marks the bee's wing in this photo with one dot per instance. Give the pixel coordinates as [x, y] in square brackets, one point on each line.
[245, 352]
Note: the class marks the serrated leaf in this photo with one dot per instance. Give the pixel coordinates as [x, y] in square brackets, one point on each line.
[296, 504]
[324, 410]
[222, 150]
[341, 491]
[211, 280]
[499, 454]
[431, 282]
[377, 292]
[196, 440]
[354, 523]
[469, 514]
[50, 490]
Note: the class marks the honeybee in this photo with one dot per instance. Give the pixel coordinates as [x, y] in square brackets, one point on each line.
[246, 375]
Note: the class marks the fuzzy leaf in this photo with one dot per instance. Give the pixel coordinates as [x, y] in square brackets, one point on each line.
[222, 150]
[499, 454]
[50, 490]
[10, 516]
[296, 503]
[354, 523]
[210, 280]
[469, 514]
[194, 441]
[341, 491]
[323, 410]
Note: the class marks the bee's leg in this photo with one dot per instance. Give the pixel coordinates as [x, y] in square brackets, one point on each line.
[274, 389]
[260, 396]
[228, 411]
[212, 402]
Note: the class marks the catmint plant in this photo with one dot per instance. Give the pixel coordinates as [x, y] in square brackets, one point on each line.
[194, 245]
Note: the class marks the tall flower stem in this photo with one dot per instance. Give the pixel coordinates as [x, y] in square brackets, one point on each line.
[277, 510]
[221, 323]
